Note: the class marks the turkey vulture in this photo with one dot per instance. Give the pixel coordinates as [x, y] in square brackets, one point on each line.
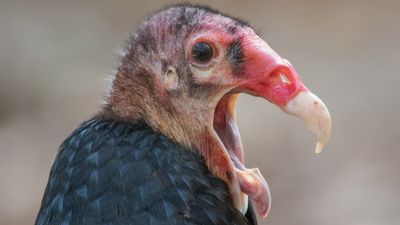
[165, 147]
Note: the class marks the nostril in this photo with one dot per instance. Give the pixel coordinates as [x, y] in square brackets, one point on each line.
[284, 78]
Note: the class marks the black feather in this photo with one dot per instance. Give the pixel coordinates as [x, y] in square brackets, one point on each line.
[110, 172]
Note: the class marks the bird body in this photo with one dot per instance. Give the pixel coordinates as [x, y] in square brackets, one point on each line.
[112, 172]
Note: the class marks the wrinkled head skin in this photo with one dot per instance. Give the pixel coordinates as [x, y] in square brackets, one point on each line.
[182, 73]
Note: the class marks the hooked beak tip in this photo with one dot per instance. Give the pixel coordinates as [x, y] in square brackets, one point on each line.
[319, 147]
[314, 113]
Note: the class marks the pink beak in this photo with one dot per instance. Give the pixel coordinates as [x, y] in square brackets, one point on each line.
[275, 79]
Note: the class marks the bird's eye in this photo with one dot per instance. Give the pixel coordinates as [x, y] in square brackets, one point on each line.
[202, 52]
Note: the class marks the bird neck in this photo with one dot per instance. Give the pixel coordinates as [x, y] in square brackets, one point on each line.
[132, 98]
[186, 122]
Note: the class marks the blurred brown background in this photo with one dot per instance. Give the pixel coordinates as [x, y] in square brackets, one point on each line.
[54, 56]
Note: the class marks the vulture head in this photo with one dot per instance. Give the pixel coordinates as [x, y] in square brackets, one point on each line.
[182, 73]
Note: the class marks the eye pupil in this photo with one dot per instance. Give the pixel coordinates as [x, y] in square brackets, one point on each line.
[202, 52]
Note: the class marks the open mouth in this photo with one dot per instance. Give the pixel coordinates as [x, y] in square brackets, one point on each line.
[227, 129]
[293, 98]
[274, 79]
[251, 182]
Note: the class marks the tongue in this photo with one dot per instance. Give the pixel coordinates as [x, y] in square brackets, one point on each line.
[253, 184]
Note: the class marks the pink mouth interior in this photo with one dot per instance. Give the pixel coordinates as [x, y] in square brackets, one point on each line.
[227, 130]
[251, 181]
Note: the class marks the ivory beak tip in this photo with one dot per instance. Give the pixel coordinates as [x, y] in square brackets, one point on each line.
[319, 148]
[314, 113]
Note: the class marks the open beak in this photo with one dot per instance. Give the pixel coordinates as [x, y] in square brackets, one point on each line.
[269, 76]
[276, 80]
